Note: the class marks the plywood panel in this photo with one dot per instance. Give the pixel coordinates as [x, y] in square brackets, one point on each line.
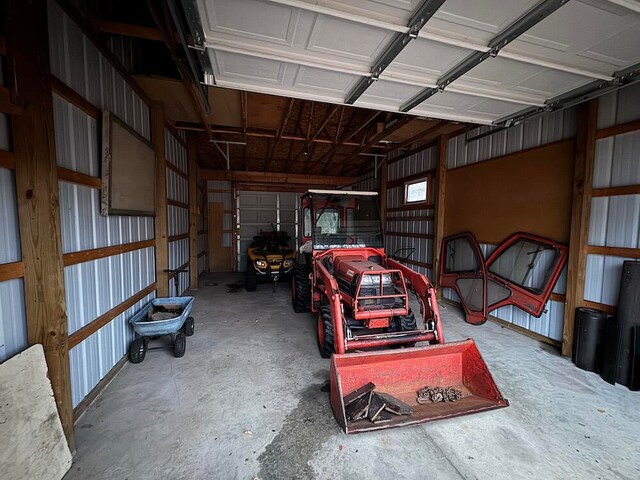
[220, 258]
[528, 191]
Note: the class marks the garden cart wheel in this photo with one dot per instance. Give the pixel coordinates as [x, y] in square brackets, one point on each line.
[189, 326]
[137, 350]
[179, 345]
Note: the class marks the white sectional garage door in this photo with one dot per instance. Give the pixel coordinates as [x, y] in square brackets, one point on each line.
[264, 211]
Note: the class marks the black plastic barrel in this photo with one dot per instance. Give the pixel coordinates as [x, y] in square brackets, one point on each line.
[588, 339]
[628, 323]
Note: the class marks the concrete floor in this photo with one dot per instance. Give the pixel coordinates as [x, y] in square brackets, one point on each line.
[245, 402]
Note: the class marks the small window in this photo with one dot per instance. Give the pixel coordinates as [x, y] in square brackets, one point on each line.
[415, 192]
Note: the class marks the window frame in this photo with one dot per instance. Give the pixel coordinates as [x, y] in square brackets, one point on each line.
[408, 183]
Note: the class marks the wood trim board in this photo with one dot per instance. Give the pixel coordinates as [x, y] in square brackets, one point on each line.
[87, 255]
[81, 334]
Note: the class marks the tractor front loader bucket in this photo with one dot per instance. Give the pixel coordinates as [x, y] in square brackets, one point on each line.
[402, 373]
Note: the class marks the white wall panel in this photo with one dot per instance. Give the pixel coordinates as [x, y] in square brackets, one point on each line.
[94, 287]
[9, 228]
[532, 133]
[615, 220]
[13, 323]
[92, 359]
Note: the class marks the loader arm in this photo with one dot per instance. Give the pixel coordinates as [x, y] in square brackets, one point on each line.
[333, 296]
[426, 294]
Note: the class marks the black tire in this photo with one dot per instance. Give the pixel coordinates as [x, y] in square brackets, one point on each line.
[325, 332]
[404, 324]
[189, 326]
[250, 282]
[300, 289]
[179, 345]
[137, 350]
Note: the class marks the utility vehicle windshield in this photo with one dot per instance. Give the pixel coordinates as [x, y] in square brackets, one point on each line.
[343, 221]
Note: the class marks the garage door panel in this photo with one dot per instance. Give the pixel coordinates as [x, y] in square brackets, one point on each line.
[262, 211]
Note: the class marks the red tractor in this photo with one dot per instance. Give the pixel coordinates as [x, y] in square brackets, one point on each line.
[362, 298]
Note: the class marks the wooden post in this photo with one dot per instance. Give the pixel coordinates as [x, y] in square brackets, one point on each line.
[580, 213]
[37, 195]
[193, 214]
[440, 191]
[384, 174]
[162, 236]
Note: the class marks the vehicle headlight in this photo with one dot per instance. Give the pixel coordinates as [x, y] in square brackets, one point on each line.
[288, 263]
[261, 264]
[369, 280]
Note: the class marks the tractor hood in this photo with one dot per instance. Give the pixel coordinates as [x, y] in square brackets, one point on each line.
[349, 266]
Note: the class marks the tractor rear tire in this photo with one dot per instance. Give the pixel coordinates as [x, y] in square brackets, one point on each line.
[404, 323]
[250, 282]
[300, 290]
[325, 332]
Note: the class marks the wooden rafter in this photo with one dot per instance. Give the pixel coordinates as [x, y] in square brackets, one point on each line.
[128, 30]
[285, 119]
[195, 127]
[400, 122]
[347, 136]
[243, 104]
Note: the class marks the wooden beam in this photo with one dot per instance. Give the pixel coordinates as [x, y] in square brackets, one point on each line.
[614, 251]
[384, 175]
[87, 255]
[581, 211]
[74, 98]
[410, 235]
[79, 335]
[128, 30]
[416, 263]
[278, 178]
[71, 176]
[7, 160]
[610, 309]
[412, 218]
[37, 196]
[161, 220]
[177, 238]
[616, 191]
[3, 46]
[6, 104]
[347, 136]
[193, 213]
[409, 208]
[175, 203]
[178, 172]
[400, 122]
[285, 119]
[258, 133]
[420, 135]
[618, 129]
[438, 228]
[11, 271]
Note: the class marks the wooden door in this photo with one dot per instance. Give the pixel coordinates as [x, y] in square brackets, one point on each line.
[220, 257]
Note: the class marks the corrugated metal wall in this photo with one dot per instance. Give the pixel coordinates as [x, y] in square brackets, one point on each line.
[410, 222]
[178, 213]
[13, 323]
[615, 220]
[95, 287]
[203, 224]
[532, 133]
